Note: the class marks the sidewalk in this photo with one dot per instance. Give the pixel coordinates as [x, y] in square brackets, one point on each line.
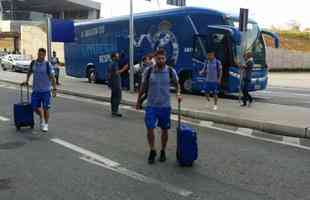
[278, 119]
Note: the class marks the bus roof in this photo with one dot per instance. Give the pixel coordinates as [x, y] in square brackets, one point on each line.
[175, 11]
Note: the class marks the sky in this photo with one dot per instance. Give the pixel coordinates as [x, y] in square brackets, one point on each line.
[277, 13]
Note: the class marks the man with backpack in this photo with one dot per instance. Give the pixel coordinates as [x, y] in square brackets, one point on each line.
[156, 80]
[43, 75]
[213, 72]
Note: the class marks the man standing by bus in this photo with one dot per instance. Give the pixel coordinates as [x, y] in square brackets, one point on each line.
[158, 111]
[114, 78]
[124, 65]
[43, 76]
[246, 79]
[55, 63]
[213, 72]
[145, 65]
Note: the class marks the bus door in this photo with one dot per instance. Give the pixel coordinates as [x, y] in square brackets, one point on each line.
[220, 41]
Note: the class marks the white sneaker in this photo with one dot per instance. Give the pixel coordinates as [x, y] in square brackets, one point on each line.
[215, 107]
[42, 125]
[45, 128]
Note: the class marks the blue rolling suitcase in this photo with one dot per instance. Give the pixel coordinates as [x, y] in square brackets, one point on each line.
[187, 147]
[23, 112]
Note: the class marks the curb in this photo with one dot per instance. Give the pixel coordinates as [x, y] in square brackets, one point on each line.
[278, 129]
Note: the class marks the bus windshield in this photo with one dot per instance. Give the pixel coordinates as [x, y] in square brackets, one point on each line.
[254, 43]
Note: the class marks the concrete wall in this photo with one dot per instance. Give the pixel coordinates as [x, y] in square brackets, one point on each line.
[34, 37]
[286, 59]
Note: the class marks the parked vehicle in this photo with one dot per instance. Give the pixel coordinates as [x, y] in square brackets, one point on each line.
[16, 63]
[185, 33]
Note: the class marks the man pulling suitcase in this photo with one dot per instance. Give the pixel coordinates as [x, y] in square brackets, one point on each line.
[43, 78]
[158, 111]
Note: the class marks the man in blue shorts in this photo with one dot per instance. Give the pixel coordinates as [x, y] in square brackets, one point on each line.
[157, 80]
[213, 72]
[43, 75]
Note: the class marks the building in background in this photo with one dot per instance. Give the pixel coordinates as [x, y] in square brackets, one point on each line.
[23, 22]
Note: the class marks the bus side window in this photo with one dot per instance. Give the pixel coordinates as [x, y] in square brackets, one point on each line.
[200, 47]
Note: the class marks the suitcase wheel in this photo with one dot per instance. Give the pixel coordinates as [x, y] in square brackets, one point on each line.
[18, 128]
[32, 126]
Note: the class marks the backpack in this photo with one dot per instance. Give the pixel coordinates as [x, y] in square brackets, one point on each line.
[48, 70]
[148, 76]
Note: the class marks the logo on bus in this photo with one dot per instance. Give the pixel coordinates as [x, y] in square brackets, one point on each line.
[162, 38]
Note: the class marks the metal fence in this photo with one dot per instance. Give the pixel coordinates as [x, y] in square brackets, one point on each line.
[278, 59]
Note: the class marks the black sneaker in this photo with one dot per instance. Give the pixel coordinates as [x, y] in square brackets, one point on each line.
[162, 157]
[117, 115]
[152, 157]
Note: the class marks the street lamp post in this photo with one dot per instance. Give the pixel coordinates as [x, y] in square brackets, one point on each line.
[131, 47]
[49, 37]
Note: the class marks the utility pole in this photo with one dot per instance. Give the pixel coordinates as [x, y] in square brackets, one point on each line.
[49, 37]
[131, 48]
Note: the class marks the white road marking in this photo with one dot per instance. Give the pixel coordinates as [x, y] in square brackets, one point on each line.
[4, 119]
[291, 140]
[206, 123]
[141, 178]
[245, 131]
[286, 94]
[102, 161]
[85, 152]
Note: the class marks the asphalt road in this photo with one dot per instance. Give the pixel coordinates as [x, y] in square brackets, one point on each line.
[291, 96]
[88, 155]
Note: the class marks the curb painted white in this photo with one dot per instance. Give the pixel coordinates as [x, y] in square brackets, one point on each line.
[4, 119]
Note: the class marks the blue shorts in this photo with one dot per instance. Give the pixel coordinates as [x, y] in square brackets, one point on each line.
[211, 87]
[157, 117]
[41, 99]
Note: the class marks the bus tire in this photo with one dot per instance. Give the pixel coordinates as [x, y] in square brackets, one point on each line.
[91, 74]
[3, 67]
[13, 68]
[186, 82]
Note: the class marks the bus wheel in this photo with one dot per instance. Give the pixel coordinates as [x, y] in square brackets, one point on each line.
[186, 83]
[92, 75]
[13, 68]
[3, 67]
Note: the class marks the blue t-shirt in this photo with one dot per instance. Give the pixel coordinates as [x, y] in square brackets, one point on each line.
[159, 86]
[213, 69]
[42, 72]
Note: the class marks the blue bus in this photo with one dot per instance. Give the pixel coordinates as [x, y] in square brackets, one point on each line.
[185, 33]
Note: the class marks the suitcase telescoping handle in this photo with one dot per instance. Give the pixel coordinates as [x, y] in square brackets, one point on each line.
[179, 114]
[22, 94]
